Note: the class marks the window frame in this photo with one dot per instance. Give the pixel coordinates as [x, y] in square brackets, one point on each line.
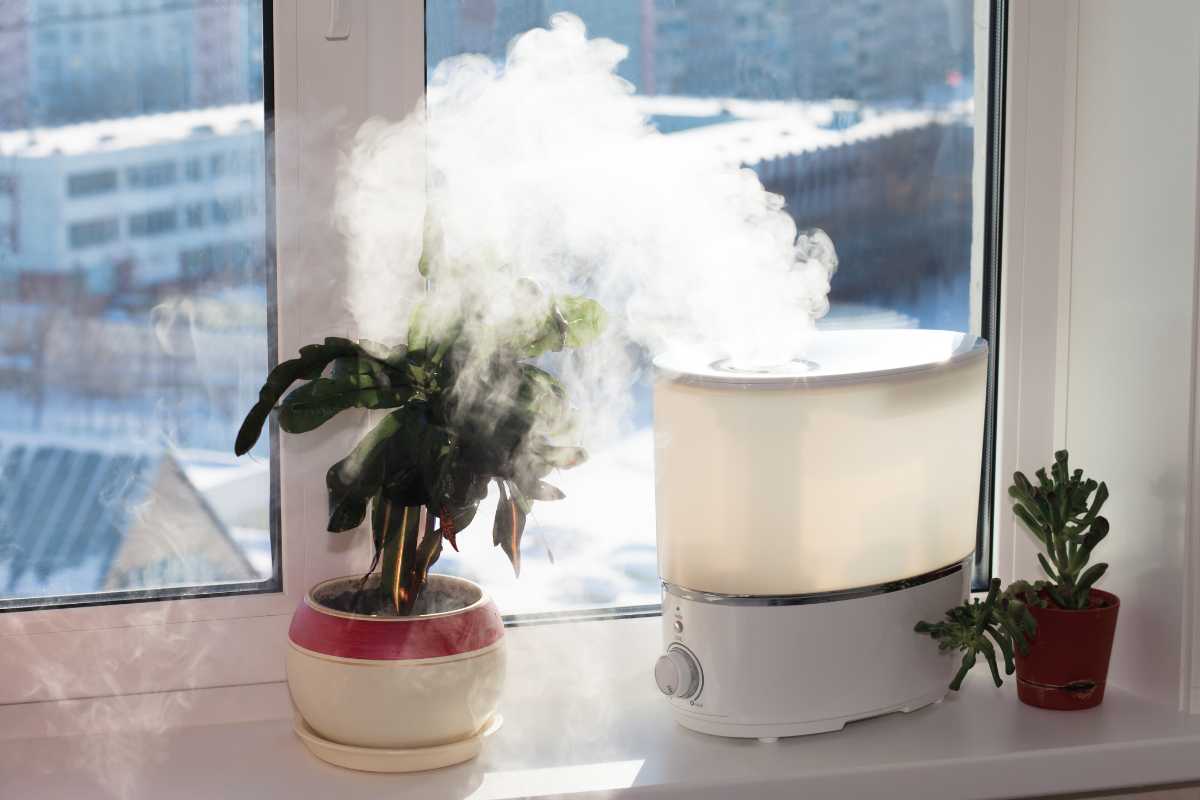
[1034, 301]
[323, 90]
[194, 642]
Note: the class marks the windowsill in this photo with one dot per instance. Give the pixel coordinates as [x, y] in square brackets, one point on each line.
[579, 720]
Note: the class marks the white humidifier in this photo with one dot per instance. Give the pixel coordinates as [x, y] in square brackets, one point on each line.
[809, 513]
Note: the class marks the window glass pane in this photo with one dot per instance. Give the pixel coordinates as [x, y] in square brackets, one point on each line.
[133, 299]
[861, 115]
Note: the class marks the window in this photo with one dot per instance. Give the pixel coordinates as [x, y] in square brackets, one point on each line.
[151, 176]
[153, 223]
[88, 183]
[227, 210]
[194, 214]
[93, 232]
[871, 122]
[125, 370]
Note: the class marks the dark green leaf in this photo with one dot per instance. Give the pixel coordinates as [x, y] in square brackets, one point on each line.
[1089, 577]
[346, 513]
[1046, 567]
[316, 402]
[968, 661]
[361, 473]
[1096, 534]
[989, 653]
[1030, 522]
[313, 359]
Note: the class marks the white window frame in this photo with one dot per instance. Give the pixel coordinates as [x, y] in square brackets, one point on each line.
[323, 90]
[1064, 108]
[1034, 257]
[332, 86]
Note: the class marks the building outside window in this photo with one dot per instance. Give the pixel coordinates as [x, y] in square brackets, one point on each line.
[89, 183]
[93, 232]
[129, 343]
[883, 159]
[153, 223]
[194, 215]
[151, 176]
[194, 169]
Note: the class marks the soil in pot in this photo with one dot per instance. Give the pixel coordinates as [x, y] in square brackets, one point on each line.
[437, 597]
[1067, 665]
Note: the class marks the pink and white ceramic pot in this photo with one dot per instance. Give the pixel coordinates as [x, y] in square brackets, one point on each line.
[397, 682]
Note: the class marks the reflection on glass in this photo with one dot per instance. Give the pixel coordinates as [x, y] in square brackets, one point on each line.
[133, 305]
[859, 114]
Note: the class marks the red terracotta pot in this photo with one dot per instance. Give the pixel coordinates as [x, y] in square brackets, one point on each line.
[1067, 665]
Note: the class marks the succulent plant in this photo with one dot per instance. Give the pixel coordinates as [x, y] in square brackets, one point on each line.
[1063, 511]
[465, 408]
[1001, 618]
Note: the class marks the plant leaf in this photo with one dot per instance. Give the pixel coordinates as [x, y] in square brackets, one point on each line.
[1089, 577]
[428, 551]
[585, 319]
[346, 513]
[455, 520]
[1046, 567]
[508, 527]
[540, 490]
[562, 457]
[313, 359]
[361, 473]
[1095, 535]
[316, 402]
[400, 527]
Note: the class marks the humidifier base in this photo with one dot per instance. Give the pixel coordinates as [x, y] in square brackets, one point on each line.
[768, 733]
[770, 666]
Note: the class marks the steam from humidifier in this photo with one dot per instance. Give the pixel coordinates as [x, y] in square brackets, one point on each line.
[544, 167]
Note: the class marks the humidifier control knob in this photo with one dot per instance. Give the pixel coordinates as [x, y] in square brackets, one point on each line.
[677, 673]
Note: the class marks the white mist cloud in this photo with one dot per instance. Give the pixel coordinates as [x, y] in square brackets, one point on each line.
[544, 167]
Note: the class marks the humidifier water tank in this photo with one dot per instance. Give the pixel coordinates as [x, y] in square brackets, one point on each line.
[808, 513]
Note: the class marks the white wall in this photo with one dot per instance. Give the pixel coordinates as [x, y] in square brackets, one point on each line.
[1132, 305]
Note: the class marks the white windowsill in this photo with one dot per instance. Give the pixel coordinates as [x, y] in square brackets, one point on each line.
[582, 715]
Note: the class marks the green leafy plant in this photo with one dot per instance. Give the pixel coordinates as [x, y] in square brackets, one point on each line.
[1062, 510]
[1001, 621]
[465, 408]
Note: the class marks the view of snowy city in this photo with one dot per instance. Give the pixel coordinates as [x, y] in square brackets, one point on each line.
[134, 259]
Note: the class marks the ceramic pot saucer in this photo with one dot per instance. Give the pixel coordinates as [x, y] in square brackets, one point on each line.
[371, 759]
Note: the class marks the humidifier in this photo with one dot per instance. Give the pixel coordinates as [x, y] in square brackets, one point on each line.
[808, 514]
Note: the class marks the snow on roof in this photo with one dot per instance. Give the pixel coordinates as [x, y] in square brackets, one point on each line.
[751, 141]
[684, 106]
[124, 133]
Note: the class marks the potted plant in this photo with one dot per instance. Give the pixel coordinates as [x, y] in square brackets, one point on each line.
[1057, 634]
[399, 668]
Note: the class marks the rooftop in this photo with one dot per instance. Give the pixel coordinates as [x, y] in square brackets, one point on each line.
[68, 510]
[751, 141]
[124, 133]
